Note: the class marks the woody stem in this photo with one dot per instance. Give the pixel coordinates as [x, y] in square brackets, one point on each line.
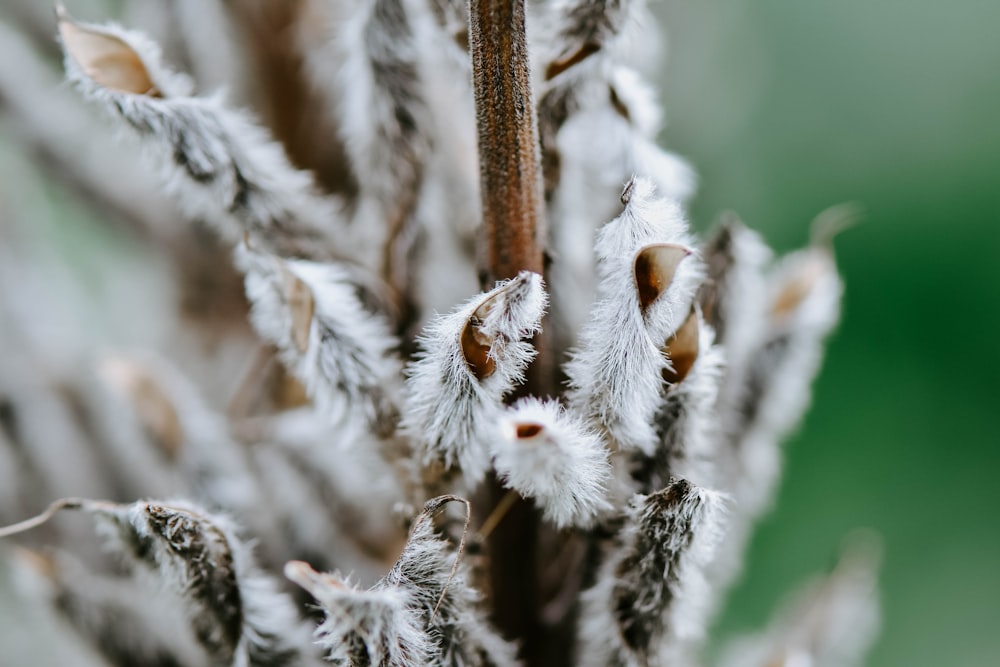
[513, 224]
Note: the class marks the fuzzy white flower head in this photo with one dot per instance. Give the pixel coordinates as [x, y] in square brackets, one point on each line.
[547, 453]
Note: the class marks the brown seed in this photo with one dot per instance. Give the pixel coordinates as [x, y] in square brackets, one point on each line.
[475, 344]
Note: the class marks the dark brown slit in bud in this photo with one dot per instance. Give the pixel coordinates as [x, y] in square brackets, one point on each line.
[528, 430]
[682, 350]
[626, 195]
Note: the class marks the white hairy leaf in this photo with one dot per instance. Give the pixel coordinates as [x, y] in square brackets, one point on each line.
[380, 626]
[219, 164]
[647, 601]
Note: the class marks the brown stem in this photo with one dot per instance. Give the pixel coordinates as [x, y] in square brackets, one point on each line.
[513, 215]
[273, 39]
[513, 223]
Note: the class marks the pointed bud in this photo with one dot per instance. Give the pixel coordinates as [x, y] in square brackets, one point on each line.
[106, 58]
[363, 627]
[469, 360]
[648, 279]
[342, 354]
[157, 413]
[217, 163]
[649, 594]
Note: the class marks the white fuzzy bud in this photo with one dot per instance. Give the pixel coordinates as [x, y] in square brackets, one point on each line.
[546, 453]
[468, 361]
[343, 354]
[647, 282]
[218, 163]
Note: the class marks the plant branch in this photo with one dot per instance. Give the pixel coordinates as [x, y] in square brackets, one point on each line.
[513, 223]
[511, 190]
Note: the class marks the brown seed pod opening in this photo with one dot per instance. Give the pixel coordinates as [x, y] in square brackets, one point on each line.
[302, 306]
[156, 412]
[106, 59]
[801, 283]
[38, 562]
[682, 349]
[654, 269]
[476, 348]
[476, 345]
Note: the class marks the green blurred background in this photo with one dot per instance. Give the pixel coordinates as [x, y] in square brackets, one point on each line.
[786, 107]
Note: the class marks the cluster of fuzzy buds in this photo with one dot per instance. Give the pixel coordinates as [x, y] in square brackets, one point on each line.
[612, 453]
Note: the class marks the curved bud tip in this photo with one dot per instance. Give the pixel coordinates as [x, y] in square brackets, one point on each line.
[518, 289]
[303, 575]
[626, 195]
[800, 283]
[834, 220]
[105, 58]
[298, 571]
[654, 269]
[682, 349]
[436, 505]
[565, 61]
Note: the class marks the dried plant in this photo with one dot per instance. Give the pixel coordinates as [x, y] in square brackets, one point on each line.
[588, 475]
